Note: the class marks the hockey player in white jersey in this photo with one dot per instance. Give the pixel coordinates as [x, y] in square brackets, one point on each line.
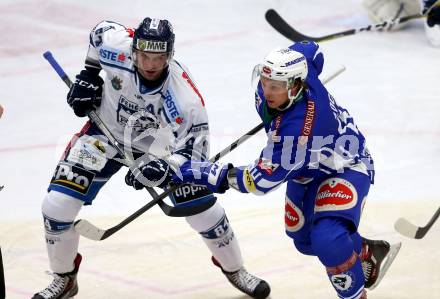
[385, 10]
[151, 105]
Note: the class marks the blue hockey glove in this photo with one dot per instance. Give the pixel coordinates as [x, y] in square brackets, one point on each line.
[156, 173]
[211, 175]
[85, 93]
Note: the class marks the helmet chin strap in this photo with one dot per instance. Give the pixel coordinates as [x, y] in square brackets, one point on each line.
[291, 99]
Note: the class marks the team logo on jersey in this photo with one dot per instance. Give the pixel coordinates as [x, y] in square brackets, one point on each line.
[343, 282]
[335, 194]
[138, 119]
[73, 177]
[116, 83]
[267, 166]
[293, 216]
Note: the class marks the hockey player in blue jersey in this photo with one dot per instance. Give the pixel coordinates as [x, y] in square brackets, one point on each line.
[151, 105]
[316, 148]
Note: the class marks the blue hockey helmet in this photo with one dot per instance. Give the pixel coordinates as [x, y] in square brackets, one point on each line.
[154, 35]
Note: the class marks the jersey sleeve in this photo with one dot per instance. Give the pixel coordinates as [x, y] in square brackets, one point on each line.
[99, 36]
[189, 120]
[284, 157]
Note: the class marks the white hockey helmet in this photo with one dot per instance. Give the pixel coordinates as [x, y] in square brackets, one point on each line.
[283, 64]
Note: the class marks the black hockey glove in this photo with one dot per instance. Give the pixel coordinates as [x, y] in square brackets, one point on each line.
[156, 173]
[434, 17]
[85, 93]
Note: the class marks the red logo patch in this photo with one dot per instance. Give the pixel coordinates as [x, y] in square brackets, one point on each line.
[335, 194]
[267, 166]
[130, 32]
[121, 57]
[293, 217]
[267, 70]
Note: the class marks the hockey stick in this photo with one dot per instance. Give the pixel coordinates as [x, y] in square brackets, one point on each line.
[167, 209]
[280, 25]
[90, 231]
[406, 228]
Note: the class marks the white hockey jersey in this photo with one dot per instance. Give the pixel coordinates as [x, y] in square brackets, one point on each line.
[127, 106]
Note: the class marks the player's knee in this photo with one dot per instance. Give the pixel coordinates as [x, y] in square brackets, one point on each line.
[331, 242]
[59, 211]
[303, 247]
[206, 219]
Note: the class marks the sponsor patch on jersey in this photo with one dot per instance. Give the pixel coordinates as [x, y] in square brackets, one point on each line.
[199, 128]
[188, 193]
[267, 165]
[276, 129]
[89, 154]
[73, 177]
[335, 194]
[293, 217]
[248, 181]
[171, 107]
[113, 56]
[309, 117]
[116, 83]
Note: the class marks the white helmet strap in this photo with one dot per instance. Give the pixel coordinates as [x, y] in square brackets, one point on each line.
[292, 98]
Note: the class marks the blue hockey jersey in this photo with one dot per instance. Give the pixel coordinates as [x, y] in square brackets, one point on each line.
[313, 139]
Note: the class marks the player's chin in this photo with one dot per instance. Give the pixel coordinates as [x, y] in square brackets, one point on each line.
[271, 104]
[150, 75]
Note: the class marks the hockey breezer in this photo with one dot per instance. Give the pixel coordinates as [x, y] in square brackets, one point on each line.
[89, 230]
[406, 228]
[280, 25]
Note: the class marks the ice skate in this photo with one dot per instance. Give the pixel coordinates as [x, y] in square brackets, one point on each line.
[246, 282]
[377, 256]
[63, 285]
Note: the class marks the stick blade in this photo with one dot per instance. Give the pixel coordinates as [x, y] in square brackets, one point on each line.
[280, 25]
[88, 230]
[405, 228]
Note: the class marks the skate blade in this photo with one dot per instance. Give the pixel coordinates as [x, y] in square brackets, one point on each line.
[394, 250]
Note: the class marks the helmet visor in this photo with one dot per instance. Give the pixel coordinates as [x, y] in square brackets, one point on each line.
[261, 80]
